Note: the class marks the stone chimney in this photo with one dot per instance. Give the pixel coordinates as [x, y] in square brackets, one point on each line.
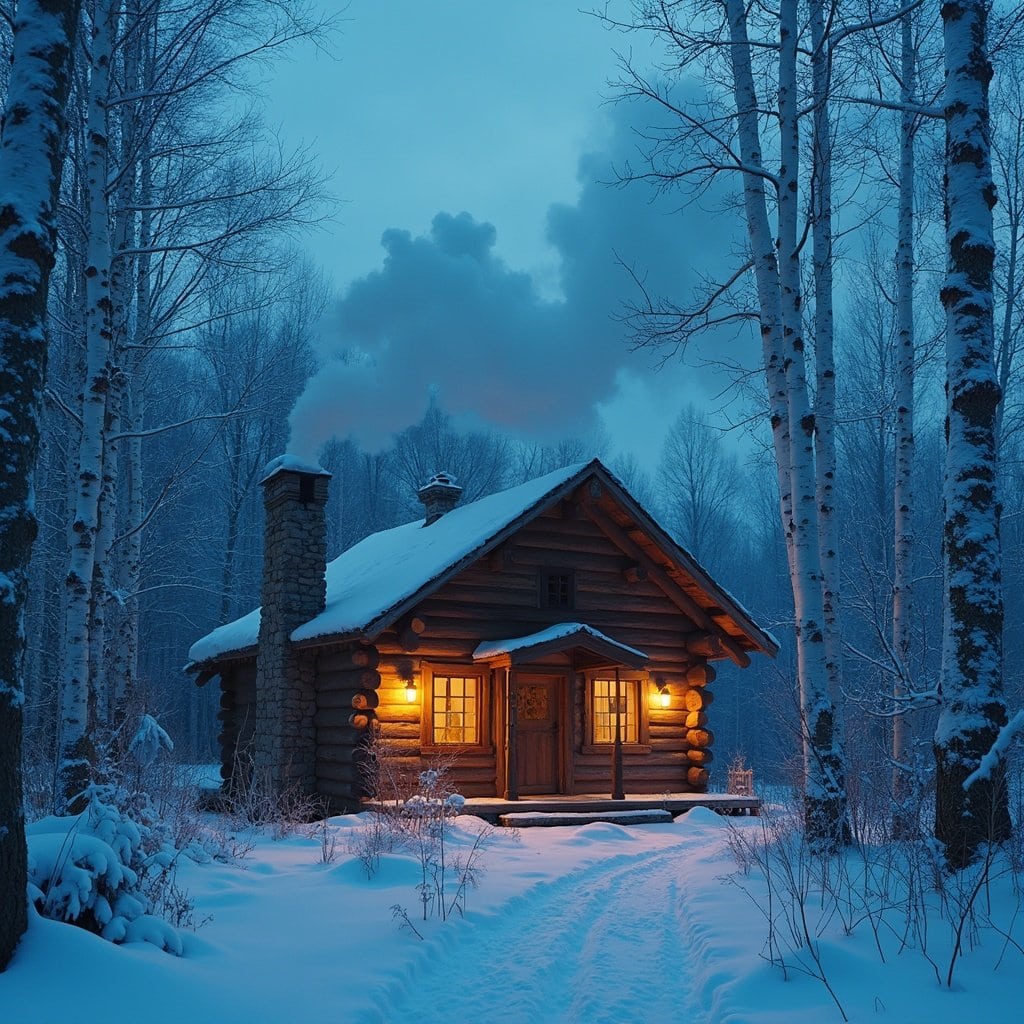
[294, 591]
[440, 494]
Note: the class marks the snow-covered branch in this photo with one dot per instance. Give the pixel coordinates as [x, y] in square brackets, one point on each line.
[998, 751]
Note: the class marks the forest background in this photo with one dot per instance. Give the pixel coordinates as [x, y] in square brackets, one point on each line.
[191, 339]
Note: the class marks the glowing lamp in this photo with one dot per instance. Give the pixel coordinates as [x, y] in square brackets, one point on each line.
[664, 697]
[410, 691]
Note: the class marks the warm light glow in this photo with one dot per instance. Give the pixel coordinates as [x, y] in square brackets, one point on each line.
[661, 698]
[410, 692]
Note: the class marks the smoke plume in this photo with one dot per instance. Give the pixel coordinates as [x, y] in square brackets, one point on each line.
[446, 315]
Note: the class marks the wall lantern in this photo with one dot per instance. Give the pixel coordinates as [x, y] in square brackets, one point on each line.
[664, 697]
[407, 672]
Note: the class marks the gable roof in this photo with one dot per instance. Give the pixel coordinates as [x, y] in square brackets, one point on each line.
[376, 581]
[555, 639]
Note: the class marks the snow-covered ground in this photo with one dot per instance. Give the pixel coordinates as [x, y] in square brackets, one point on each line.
[593, 923]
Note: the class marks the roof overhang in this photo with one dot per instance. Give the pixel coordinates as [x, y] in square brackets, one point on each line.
[598, 650]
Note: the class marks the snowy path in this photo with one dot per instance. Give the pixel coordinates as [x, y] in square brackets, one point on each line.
[570, 951]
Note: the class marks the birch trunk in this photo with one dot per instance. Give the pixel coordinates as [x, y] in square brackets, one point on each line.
[101, 595]
[126, 656]
[31, 151]
[74, 748]
[971, 685]
[777, 279]
[824, 792]
[903, 482]
[765, 259]
[824, 357]
[106, 665]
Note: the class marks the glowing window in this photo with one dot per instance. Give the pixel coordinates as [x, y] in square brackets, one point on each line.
[604, 710]
[456, 709]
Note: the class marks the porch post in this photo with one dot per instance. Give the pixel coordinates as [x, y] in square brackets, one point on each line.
[617, 791]
[511, 758]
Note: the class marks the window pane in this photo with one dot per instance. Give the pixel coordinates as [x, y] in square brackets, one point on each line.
[455, 707]
[606, 705]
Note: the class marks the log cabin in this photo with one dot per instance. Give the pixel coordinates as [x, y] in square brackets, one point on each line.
[549, 639]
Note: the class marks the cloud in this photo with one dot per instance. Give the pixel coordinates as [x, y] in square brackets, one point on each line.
[445, 314]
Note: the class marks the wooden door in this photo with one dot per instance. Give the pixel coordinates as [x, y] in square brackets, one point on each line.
[538, 733]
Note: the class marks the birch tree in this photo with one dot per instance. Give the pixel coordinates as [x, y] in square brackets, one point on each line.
[180, 197]
[31, 151]
[208, 203]
[970, 805]
[74, 755]
[727, 138]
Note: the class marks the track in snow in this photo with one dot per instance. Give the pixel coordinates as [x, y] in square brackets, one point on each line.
[571, 951]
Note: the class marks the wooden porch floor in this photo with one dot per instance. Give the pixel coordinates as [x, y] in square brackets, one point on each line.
[490, 808]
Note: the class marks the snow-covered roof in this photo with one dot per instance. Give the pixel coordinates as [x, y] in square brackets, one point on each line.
[383, 570]
[374, 582]
[562, 631]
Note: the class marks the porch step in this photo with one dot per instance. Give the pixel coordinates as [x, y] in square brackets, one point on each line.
[534, 819]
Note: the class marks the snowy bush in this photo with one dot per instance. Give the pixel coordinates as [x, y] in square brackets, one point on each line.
[254, 799]
[148, 741]
[429, 807]
[900, 892]
[101, 869]
[112, 869]
[414, 812]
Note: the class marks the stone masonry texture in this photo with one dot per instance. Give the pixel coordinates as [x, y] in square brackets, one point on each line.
[294, 591]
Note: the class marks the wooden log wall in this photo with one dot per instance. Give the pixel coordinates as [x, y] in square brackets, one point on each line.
[665, 757]
[347, 699]
[237, 717]
[472, 774]
[499, 598]
[484, 602]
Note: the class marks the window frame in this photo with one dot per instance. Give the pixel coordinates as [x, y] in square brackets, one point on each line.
[546, 574]
[428, 673]
[628, 677]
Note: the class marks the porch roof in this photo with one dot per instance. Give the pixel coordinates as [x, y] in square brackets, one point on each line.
[556, 639]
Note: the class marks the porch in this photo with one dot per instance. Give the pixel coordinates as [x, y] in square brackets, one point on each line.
[582, 807]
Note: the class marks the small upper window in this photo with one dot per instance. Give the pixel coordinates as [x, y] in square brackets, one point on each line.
[557, 589]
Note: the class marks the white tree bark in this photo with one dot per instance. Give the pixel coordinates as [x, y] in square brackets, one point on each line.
[971, 684]
[73, 754]
[825, 804]
[31, 153]
[824, 357]
[103, 571]
[777, 278]
[124, 658]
